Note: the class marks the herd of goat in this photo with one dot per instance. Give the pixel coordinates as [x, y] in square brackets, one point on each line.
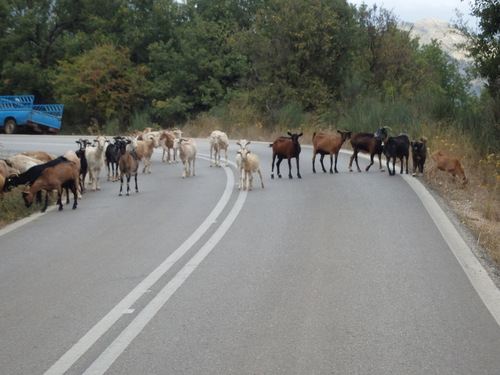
[38, 170]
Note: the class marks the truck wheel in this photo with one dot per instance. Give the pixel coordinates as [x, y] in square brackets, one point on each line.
[10, 126]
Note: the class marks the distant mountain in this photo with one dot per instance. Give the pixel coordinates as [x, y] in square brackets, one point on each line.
[432, 28]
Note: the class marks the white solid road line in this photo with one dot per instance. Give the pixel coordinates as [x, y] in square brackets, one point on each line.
[476, 273]
[118, 346]
[90, 338]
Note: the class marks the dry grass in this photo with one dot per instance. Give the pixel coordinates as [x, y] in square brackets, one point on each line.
[12, 207]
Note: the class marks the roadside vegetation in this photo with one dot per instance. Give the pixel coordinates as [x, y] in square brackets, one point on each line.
[258, 68]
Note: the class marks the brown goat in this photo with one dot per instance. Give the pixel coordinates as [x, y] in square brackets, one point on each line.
[167, 143]
[62, 175]
[447, 163]
[286, 147]
[366, 142]
[324, 144]
[128, 164]
[40, 155]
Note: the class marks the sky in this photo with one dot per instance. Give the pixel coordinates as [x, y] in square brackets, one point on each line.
[415, 10]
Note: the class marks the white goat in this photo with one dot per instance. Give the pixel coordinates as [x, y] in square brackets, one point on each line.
[243, 144]
[95, 160]
[144, 152]
[218, 142]
[22, 162]
[250, 163]
[187, 153]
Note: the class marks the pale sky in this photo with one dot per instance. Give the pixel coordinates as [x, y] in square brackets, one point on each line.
[414, 10]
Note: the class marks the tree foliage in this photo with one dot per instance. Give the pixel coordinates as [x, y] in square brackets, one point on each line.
[101, 84]
[484, 45]
[176, 59]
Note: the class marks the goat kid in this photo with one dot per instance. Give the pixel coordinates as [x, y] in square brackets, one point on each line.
[243, 143]
[418, 154]
[187, 153]
[286, 147]
[250, 165]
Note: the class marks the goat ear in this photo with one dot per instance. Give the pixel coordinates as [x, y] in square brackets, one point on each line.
[248, 142]
[290, 134]
[300, 135]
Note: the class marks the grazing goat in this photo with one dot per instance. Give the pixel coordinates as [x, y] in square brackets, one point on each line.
[286, 147]
[112, 158]
[365, 142]
[29, 177]
[62, 175]
[187, 153]
[419, 154]
[218, 142]
[324, 144]
[243, 143]
[22, 162]
[394, 148]
[129, 165]
[43, 156]
[250, 165]
[4, 168]
[95, 160]
[447, 163]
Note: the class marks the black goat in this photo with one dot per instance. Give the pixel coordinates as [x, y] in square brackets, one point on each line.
[394, 148]
[286, 147]
[419, 154]
[83, 143]
[112, 156]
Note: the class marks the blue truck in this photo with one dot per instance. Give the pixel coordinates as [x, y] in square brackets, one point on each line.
[19, 112]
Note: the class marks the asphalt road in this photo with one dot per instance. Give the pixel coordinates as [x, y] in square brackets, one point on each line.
[350, 273]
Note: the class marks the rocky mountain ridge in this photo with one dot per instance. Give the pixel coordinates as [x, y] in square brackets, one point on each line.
[433, 28]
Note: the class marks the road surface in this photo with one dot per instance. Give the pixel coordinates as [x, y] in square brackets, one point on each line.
[350, 273]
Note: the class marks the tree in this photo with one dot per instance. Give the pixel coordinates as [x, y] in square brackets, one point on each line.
[101, 84]
[31, 41]
[390, 53]
[300, 51]
[484, 45]
[194, 71]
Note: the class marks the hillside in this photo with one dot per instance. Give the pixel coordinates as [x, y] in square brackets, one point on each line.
[431, 28]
